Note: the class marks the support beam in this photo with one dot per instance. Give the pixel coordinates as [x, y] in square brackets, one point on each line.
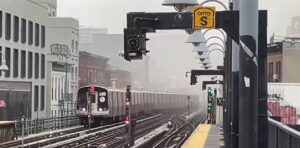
[149, 22]
[248, 84]
[204, 83]
[262, 83]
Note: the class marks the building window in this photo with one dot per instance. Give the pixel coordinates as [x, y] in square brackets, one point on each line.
[37, 35]
[7, 26]
[30, 64]
[0, 24]
[16, 28]
[30, 33]
[23, 31]
[72, 46]
[76, 73]
[7, 58]
[36, 65]
[55, 90]
[58, 88]
[271, 71]
[43, 66]
[43, 36]
[278, 69]
[42, 97]
[36, 97]
[72, 73]
[16, 63]
[76, 46]
[23, 64]
[52, 90]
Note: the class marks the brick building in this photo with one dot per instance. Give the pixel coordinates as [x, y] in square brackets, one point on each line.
[120, 78]
[283, 61]
[93, 70]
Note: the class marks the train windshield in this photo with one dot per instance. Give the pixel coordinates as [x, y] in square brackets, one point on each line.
[82, 100]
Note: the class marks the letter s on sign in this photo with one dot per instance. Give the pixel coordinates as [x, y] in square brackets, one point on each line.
[203, 20]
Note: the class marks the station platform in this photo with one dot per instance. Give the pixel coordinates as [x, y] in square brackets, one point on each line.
[205, 136]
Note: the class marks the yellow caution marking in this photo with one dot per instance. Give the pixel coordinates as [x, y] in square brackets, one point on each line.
[198, 138]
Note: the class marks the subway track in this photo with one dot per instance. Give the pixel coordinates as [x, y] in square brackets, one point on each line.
[41, 136]
[182, 130]
[52, 139]
[118, 138]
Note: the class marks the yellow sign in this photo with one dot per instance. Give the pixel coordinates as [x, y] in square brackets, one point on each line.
[204, 17]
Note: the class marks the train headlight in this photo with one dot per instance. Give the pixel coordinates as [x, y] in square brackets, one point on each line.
[100, 109]
[83, 109]
[102, 99]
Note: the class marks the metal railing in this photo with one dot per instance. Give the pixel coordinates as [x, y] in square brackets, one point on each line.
[282, 136]
[33, 126]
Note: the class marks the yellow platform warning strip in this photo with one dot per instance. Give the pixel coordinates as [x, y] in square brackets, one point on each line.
[198, 138]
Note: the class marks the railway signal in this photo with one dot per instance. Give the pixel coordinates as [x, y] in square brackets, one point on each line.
[128, 121]
[134, 44]
[215, 92]
[209, 91]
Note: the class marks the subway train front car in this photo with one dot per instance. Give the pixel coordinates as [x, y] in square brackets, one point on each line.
[92, 101]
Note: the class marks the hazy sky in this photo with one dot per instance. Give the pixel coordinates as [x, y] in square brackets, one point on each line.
[111, 14]
[173, 59]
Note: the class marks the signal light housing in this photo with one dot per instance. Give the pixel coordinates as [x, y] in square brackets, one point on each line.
[134, 44]
[193, 79]
[127, 119]
[209, 91]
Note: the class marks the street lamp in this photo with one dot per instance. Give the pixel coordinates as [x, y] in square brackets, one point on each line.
[202, 57]
[215, 44]
[216, 49]
[205, 62]
[206, 66]
[180, 5]
[3, 66]
[216, 37]
[196, 38]
[201, 49]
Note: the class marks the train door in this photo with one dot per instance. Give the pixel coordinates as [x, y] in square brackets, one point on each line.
[92, 105]
[133, 103]
[111, 99]
[122, 104]
[117, 103]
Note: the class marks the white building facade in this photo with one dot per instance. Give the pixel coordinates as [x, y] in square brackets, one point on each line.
[27, 29]
[63, 31]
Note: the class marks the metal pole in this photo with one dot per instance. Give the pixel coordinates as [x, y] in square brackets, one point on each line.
[235, 89]
[248, 87]
[89, 111]
[262, 84]
[130, 134]
[227, 86]
[66, 90]
[22, 130]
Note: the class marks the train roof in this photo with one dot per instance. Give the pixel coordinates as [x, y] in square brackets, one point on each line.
[120, 90]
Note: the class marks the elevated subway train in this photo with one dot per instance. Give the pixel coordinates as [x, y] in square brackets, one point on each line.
[108, 105]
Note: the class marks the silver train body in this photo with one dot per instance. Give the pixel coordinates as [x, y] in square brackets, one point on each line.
[108, 105]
